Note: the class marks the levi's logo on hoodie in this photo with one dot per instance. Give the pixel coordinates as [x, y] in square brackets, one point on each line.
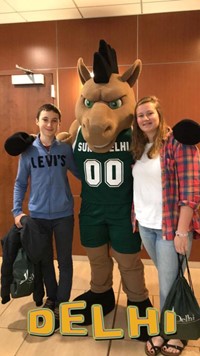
[48, 161]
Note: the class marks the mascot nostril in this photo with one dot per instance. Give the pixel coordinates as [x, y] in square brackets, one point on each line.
[108, 129]
[106, 176]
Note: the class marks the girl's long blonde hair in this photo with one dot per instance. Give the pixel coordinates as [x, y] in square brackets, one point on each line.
[139, 139]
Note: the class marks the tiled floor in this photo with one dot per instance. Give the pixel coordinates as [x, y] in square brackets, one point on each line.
[15, 340]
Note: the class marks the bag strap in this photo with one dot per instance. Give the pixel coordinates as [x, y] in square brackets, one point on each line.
[181, 259]
[180, 265]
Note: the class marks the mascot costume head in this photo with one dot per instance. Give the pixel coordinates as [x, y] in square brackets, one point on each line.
[101, 137]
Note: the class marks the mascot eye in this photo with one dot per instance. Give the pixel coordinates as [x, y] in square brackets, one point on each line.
[115, 104]
[88, 103]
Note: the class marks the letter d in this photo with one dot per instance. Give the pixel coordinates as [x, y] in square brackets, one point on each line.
[46, 327]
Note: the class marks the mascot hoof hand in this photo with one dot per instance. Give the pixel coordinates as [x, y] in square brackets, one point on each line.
[106, 300]
[187, 132]
[18, 143]
[64, 137]
[142, 306]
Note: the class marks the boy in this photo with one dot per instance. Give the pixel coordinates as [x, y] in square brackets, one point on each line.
[44, 166]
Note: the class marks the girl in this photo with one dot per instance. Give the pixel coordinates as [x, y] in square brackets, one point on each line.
[166, 194]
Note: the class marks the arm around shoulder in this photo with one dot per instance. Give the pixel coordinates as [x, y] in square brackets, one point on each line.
[69, 137]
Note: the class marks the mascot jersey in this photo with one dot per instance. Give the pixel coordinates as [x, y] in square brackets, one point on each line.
[106, 177]
[106, 195]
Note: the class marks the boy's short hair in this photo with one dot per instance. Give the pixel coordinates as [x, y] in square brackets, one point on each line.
[48, 107]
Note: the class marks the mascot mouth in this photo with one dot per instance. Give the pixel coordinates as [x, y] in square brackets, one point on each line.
[102, 146]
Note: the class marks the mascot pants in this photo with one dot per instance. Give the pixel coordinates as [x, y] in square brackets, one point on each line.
[130, 266]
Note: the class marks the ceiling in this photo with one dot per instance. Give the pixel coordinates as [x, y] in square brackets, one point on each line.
[16, 11]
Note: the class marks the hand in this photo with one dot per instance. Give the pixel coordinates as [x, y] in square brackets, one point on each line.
[181, 244]
[17, 220]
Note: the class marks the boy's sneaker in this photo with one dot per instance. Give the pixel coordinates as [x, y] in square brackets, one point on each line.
[57, 319]
[38, 303]
[50, 304]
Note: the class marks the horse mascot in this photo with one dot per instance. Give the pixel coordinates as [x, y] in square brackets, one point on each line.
[101, 137]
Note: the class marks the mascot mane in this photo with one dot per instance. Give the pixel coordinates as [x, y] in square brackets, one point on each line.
[105, 63]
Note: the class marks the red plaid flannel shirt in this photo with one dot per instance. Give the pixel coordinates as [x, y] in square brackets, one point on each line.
[180, 170]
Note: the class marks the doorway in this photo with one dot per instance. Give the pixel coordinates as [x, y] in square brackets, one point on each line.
[18, 108]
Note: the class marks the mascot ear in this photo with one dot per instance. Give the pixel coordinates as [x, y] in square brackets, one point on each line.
[187, 132]
[83, 71]
[18, 143]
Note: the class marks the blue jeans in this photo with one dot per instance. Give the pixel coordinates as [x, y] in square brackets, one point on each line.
[163, 254]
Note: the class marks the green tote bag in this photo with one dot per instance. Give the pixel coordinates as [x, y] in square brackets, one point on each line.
[23, 276]
[182, 301]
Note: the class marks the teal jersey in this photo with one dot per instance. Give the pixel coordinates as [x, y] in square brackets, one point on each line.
[106, 177]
